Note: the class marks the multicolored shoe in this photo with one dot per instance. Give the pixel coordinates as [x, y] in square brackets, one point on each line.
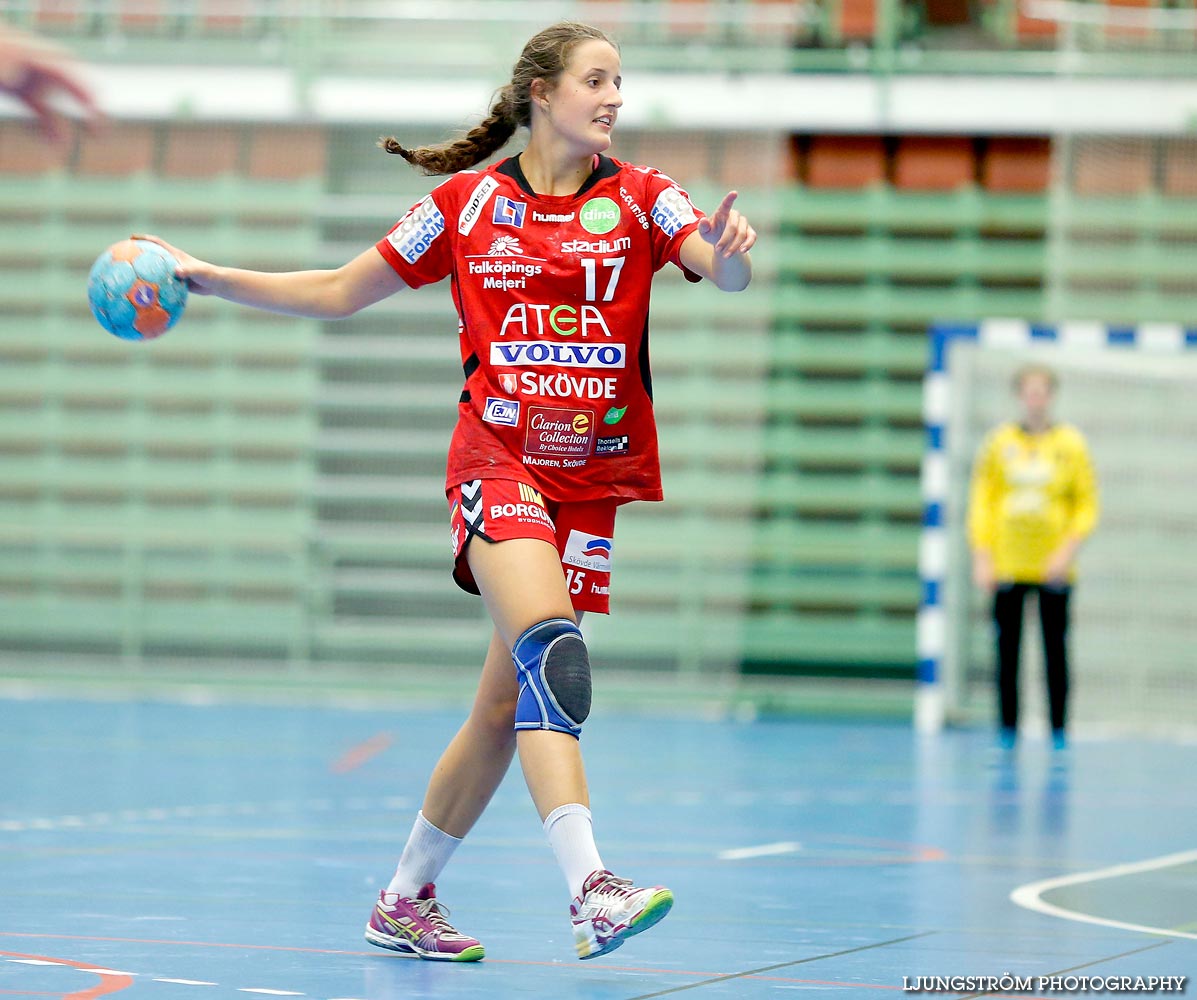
[611, 910]
[417, 928]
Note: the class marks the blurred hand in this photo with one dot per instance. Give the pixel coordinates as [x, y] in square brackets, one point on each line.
[983, 572]
[727, 230]
[199, 275]
[1059, 565]
[40, 75]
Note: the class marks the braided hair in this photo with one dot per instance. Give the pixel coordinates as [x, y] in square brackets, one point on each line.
[544, 57]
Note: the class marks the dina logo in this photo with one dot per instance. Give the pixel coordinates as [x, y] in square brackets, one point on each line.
[599, 216]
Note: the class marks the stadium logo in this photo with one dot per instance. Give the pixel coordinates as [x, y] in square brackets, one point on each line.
[415, 232]
[599, 216]
[508, 212]
[502, 411]
[524, 353]
[597, 246]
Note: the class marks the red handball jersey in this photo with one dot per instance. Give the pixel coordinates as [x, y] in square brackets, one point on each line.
[552, 294]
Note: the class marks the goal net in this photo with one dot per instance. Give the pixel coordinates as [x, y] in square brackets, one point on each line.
[1132, 392]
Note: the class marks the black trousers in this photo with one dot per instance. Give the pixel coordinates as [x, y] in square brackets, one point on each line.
[1008, 603]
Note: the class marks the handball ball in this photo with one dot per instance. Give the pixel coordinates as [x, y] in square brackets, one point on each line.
[133, 290]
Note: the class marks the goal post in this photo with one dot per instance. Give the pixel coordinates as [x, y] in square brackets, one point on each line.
[1132, 390]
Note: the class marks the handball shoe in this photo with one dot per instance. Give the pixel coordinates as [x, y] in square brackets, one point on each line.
[611, 910]
[417, 928]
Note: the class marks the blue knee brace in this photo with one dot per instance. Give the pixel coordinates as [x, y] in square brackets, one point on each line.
[554, 675]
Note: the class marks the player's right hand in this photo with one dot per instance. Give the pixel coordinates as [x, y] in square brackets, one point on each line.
[199, 275]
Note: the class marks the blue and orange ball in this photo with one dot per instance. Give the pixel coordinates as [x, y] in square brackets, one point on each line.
[133, 290]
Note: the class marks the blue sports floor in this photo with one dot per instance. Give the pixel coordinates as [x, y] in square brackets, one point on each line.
[184, 852]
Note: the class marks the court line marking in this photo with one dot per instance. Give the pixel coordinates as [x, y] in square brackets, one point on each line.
[1029, 896]
[111, 983]
[760, 851]
[708, 976]
[781, 965]
[367, 750]
[186, 982]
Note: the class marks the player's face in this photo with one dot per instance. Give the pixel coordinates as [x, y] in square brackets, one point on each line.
[586, 100]
[1035, 394]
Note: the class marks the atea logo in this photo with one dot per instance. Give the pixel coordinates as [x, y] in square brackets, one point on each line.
[527, 319]
[508, 212]
[538, 352]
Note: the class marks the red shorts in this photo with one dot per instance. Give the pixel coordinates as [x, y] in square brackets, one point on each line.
[499, 509]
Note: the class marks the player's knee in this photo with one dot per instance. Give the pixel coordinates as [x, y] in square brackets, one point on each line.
[554, 675]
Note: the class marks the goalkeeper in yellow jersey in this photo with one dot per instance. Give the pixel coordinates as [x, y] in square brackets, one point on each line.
[1032, 502]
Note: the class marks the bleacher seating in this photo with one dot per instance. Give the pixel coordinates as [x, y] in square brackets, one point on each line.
[156, 498]
[282, 479]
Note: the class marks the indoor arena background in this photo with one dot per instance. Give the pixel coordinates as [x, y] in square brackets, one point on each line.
[247, 518]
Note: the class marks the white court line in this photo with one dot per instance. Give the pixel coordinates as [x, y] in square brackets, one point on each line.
[187, 982]
[1028, 896]
[273, 993]
[30, 961]
[760, 851]
[108, 972]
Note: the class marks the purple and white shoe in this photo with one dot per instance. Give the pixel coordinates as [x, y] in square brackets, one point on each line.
[417, 928]
[611, 910]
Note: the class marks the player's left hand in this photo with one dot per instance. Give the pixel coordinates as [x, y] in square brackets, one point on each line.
[727, 230]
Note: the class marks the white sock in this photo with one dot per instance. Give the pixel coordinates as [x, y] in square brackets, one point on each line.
[427, 852]
[571, 833]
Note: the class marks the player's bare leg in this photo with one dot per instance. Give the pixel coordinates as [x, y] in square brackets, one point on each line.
[473, 765]
[525, 591]
[522, 584]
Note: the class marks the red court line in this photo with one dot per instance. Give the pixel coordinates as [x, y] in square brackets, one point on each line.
[106, 985]
[104, 988]
[356, 756]
[375, 954]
